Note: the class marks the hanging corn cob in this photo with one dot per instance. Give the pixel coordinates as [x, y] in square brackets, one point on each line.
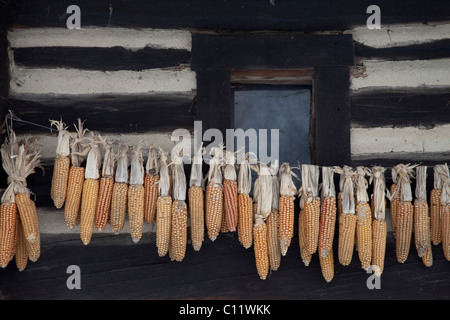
[245, 203]
[163, 208]
[61, 166]
[272, 222]
[230, 191]
[120, 190]
[90, 191]
[214, 194]
[21, 256]
[103, 207]
[445, 215]
[394, 202]
[9, 215]
[196, 201]
[347, 220]
[76, 177]
[379, 227]
[178, 234]
[421, 218]
[405, 211]
[151, 185]
[310, 188]
[263, 194]
[327, 224]
[286, 206]
[440, 174]
[136, 194]
[364, 218]
[304, 254]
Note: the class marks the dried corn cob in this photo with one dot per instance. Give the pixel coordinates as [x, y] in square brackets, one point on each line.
[90, 192]
[327, 214]
[263, 195]
[379, 227]
[245, 214]
[286, 207]
[214, 195]
[394, 201]
[421, 219]
[62, 164]
[440, 174]
[196, 201]
[405, 212]
[364, 219]
[163, 208]
[76, 177]
[310, 189]
[272, 223]
[327, 266]
[347, 220]
[178, 236]
[8, 217]
[304, 254]
[103, 207]
[21, 256]
[136, 194]
[28, 216]
[151, 180]
[119, 198]
[230, 191]
[223, 223]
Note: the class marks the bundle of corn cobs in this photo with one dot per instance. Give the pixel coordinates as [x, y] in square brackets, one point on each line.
[114, 182]
[19, 227]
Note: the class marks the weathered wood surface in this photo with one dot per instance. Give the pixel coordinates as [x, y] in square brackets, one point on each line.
[271, 50]
[401, 108]
[113, 268]
[107, 59]
[107, 113]
[220, 14]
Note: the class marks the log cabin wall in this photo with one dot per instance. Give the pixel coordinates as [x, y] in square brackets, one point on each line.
[129, 74]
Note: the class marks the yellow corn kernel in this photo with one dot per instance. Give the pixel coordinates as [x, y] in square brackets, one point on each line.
[73, 196]
[197, 216]
[327, 225]
[327, 266]
[231, 204]
[286, 209]
[261, 250]
[346, 239]
[404, 221]
[118, 206]
[364, 234]
[421, 227]
[312, 220]
[136, 211]
[28, 216]
[163, 224]
[435, 214]
[103, 207]
[379, 232]
[445, 233]
[214, 211]
[21, 256]
[245, 224]
[273, 240]
[304, 254]
[59, 180]
[151, 197]
[88, 204]
[178, 235]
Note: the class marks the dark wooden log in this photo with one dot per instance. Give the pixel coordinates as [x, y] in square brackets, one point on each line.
[112, 268]
[423, 51]
[108, 113]
[277, 51]
[332, 112]
[401, 108]
[220, 14]
[108, 59]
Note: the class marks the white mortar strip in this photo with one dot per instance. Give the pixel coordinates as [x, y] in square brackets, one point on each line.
[49, 141]
[411, 73]
[400, 35]
[74, 81]
[100, 37]
[408, 139]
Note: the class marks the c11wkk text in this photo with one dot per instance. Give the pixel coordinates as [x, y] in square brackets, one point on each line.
[229, 309]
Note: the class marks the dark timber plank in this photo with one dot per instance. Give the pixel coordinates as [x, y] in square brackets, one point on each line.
[277, 51]
[432, 50]
[401, 108]
[113, 268]
[332, 110]
[228, 15]
[4, 77]
[109, 59]
[117, 114]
